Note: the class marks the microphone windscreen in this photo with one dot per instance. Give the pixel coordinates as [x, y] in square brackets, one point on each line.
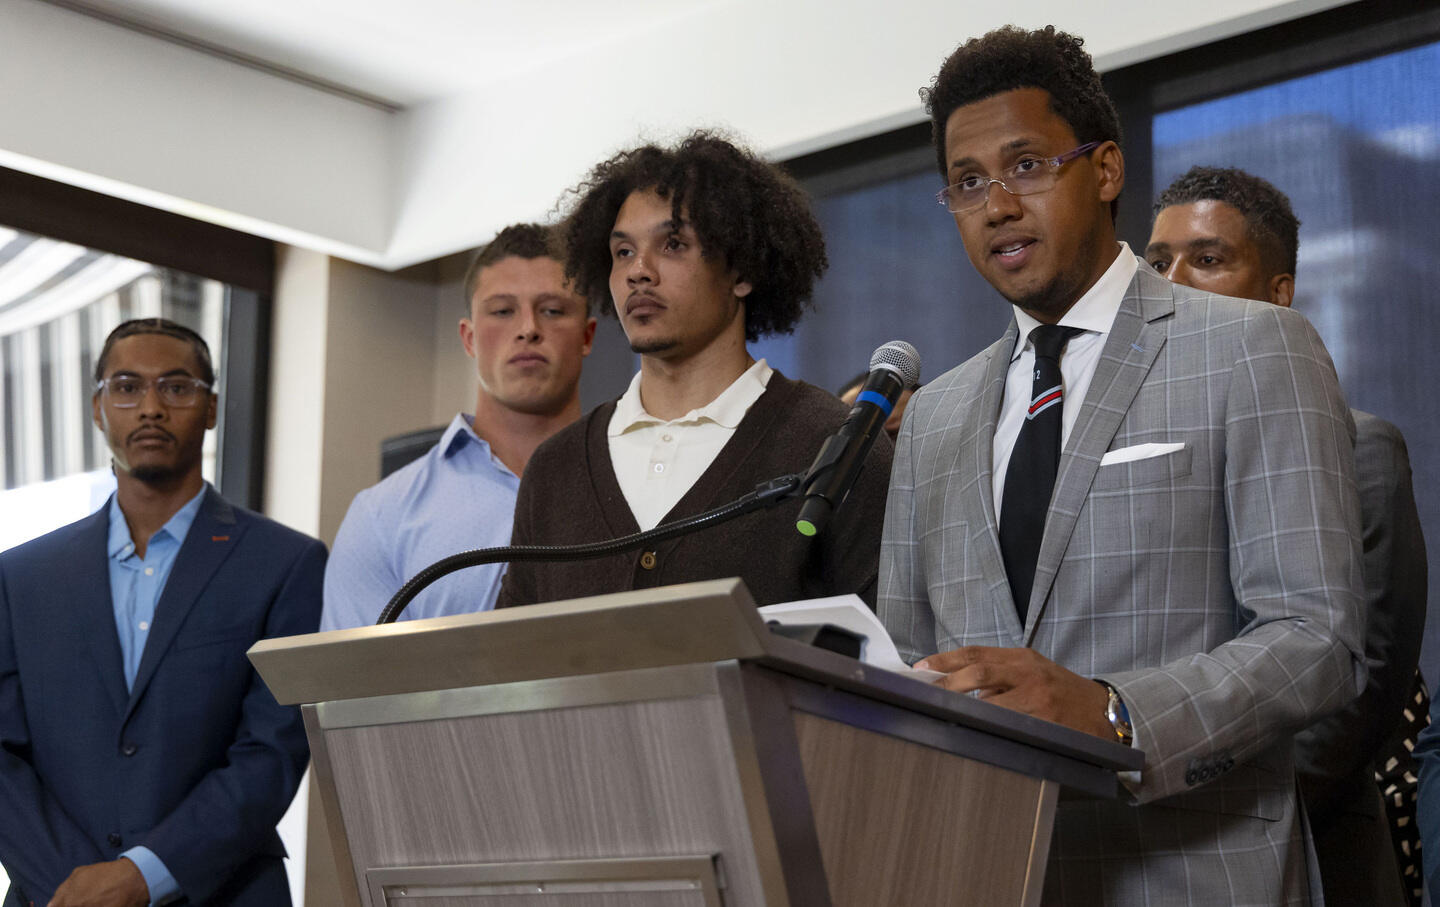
[900, 358]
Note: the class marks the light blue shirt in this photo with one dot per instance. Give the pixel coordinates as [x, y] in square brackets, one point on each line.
[136, 584]
[455, 498]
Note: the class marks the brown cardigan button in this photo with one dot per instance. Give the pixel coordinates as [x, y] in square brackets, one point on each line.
[647, 560]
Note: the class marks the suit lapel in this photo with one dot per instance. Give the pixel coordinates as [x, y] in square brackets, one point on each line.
[980, 505]
[1134, 341]
[97, 610]
[212, 537]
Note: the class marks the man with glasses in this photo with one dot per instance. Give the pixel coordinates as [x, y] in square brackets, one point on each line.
[1134, 514]
[142, 760]
[528, 333]
[1227, 231]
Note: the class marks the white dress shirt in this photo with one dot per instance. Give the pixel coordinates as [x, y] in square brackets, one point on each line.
[656, 461]
[1093, 313]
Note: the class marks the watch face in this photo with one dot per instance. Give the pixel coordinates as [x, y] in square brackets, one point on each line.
[1118, 716]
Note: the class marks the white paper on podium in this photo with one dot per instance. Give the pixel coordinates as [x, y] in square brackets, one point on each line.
[851, 613]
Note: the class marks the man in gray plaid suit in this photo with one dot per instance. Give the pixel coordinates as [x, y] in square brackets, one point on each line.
[1196, 574]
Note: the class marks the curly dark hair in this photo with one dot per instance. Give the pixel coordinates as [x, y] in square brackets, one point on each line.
[157, 326]
[519, 240]
[1272, 225]
[748, 212]
[1009, 58]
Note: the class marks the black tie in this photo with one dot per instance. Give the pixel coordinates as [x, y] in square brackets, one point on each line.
[1030, 478]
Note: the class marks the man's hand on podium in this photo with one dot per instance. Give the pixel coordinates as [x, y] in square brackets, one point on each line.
[1025, 681]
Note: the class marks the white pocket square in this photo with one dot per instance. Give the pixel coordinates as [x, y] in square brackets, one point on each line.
[1140, 452]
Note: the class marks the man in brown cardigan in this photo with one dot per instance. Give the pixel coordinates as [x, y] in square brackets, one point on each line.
[697, 250]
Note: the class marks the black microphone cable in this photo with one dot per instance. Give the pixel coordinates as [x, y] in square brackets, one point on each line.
[766, 494]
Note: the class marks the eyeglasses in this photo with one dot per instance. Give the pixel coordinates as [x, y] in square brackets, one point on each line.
[178, 391]
[1031, 176]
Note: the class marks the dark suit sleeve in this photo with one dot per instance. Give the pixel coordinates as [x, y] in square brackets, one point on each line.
[39, 842]
[225, 818]
[1334, 749]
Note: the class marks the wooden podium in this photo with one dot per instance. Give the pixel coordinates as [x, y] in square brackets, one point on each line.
[662, 747]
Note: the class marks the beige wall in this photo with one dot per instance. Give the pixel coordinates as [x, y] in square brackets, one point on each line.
[355, 358]
[455, 379]
[379, 380]
[294, 418]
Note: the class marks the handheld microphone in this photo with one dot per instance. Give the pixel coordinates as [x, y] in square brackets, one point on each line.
[893, 367]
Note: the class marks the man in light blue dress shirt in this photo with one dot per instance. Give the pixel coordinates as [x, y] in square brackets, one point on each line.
[137, 577]
[528, 334]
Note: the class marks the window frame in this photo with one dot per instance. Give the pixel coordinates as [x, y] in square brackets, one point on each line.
[1337, 37]
[245, 263]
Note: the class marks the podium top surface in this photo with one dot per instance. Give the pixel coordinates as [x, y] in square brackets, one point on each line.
[691, 623]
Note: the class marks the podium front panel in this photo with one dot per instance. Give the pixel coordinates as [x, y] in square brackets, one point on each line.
[544, 773]
[906, 824]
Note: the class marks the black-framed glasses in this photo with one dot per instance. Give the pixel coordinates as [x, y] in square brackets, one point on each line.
[178, 391]
[1030, 176]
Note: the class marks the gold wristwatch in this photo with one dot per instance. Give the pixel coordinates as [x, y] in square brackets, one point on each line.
[1118, 715]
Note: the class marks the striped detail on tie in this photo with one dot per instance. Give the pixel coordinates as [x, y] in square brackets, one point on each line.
[1043, 401]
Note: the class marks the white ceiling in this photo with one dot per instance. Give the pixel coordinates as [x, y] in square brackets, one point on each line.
[404, 53]
[390, 132]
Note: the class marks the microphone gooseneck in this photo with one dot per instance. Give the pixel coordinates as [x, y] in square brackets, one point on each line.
[766, 494]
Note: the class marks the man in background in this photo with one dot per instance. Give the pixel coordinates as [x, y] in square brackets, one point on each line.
[142, 759]
[1083, 518]
[697, 249]
[1229, 232]
[528, 333]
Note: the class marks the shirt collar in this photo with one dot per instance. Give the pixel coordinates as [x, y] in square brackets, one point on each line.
[121, 546]
[726, 410]
[457, 434]
[460, 433]
[1095, 311]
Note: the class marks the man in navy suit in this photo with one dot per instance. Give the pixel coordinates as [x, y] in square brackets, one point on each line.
[142, 760]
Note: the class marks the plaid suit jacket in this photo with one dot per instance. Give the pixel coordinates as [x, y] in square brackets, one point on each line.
[1218, 587]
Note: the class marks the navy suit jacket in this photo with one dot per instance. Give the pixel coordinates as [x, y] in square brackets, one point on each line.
[198, 762]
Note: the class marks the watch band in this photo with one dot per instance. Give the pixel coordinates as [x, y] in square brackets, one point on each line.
[1118, 715]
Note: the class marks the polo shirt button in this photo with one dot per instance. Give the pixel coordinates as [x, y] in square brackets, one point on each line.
[647, 560]
[113, 839]
[129, 749]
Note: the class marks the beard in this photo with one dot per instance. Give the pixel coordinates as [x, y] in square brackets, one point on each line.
[154, 474]
[151, 474]
[1048, 302]
[653, 345]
